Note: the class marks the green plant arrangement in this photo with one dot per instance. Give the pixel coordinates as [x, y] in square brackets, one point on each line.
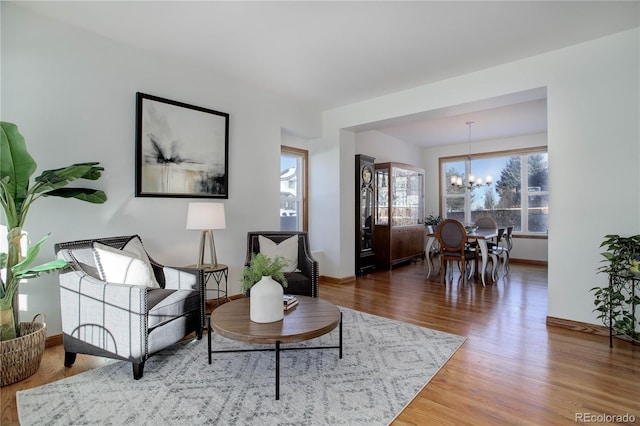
[616, 303]
[17, 195]
[433, 220]
[262, 266]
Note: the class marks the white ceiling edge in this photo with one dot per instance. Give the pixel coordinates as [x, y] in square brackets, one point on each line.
[498, 117]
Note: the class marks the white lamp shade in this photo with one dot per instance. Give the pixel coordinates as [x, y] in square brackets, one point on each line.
[206, 216]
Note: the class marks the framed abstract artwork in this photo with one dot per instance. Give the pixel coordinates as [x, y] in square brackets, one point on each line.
[182, 150]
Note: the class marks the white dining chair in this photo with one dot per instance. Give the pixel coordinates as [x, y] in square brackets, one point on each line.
[499, 252]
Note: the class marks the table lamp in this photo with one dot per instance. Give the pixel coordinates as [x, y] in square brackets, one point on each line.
[206, 217]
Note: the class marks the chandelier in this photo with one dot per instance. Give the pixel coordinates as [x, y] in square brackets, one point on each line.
[456, 181]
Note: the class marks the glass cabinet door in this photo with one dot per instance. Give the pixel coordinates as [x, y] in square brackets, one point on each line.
[399, 214]
[407, 206]
[382, 202]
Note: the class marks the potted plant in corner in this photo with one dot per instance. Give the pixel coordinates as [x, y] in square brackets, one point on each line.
[431, 222]
[616, 303]
[17, 195]
[266, 280]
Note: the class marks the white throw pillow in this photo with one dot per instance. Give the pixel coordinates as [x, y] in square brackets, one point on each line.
[123, 267]
[134, 245]
[287, 249]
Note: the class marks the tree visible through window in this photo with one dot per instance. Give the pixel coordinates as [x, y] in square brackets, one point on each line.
[519, 196]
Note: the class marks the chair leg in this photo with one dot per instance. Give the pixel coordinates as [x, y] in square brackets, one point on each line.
[506, 263]
[432, 267]
[138, 369]
[495, 261]
[69, 358]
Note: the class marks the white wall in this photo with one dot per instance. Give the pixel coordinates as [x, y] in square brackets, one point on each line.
[72, 95]
[593, 140]
[294, 141]
[385, 148]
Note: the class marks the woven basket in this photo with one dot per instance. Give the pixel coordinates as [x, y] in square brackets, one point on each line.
[20, 357]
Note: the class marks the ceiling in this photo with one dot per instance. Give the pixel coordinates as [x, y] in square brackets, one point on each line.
[329, 54]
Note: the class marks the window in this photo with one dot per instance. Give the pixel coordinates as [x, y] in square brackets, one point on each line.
[518, 196]
[293, 189]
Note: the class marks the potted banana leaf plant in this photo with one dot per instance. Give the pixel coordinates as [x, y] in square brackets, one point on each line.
[17, 195]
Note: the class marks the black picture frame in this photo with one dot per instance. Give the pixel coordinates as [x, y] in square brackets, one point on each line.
[182, 150]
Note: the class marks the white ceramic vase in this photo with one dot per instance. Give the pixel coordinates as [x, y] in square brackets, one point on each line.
[266, 301]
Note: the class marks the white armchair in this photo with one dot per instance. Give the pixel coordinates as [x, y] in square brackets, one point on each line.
[123, 321]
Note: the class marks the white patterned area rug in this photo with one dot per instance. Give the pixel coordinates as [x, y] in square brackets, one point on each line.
[385, 364]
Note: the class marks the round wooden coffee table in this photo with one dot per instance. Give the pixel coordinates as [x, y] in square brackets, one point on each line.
[312, 318]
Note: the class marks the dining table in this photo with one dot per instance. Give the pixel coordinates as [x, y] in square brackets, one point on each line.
[481, 236]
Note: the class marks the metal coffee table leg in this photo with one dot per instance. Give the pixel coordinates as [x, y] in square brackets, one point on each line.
[209, 331]
[277, 370]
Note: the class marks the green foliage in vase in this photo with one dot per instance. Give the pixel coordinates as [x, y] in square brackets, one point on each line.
[433, 220]
[617, 302]
[262, 266]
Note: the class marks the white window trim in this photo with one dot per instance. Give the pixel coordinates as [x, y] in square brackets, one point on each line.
[303, 174]
[525, 193]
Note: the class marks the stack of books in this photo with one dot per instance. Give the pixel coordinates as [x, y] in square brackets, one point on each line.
[290, 301]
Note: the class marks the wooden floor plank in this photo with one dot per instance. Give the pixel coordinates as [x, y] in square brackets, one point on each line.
[513, 368]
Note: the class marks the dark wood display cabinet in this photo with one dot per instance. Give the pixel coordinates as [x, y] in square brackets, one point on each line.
[365, 203]
[399, 232]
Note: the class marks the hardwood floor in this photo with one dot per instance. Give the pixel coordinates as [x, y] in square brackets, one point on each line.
[513, 369]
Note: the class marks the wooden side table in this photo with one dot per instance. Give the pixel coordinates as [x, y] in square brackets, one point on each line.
[218, 272]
